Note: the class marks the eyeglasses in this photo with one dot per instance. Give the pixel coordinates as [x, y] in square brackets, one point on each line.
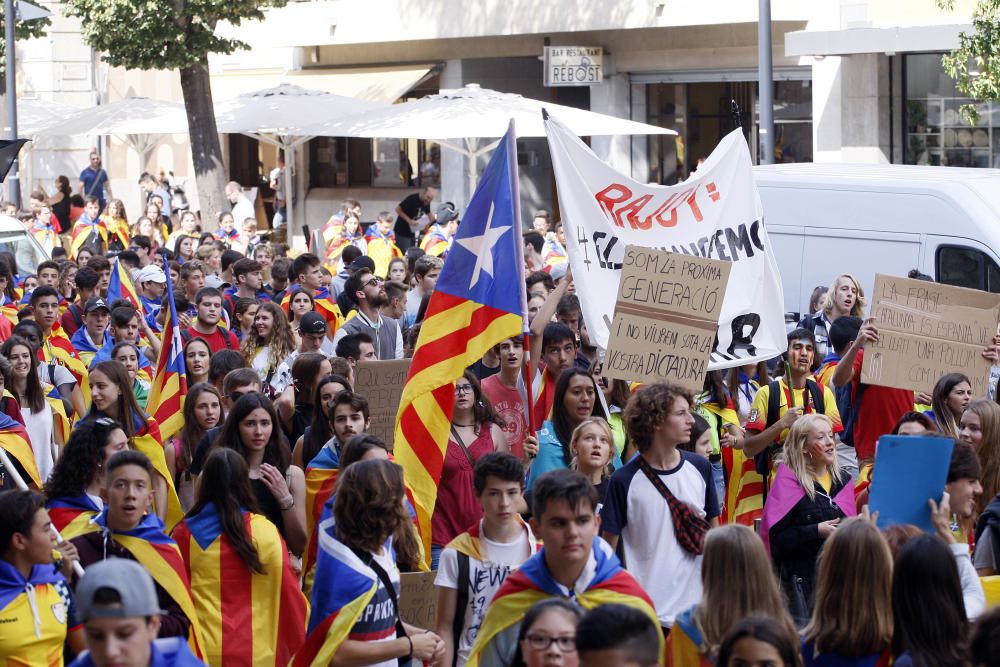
[543, 642]
[463, 388]
[374, 282]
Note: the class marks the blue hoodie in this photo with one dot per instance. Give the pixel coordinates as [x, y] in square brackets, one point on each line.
[166, 652]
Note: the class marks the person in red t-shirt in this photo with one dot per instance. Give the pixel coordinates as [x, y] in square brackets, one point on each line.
[206, 324]
[879, 408]
[507, 399]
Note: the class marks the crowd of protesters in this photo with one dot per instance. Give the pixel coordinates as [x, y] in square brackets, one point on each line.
[580, 520]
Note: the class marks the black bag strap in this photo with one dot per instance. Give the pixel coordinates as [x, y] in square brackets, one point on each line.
[465, 450]
[383, 576]
[461, 602]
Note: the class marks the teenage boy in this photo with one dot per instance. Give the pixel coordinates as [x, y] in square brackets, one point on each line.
[192, 279]
[308, 272]
[126, 325]
[356, 347]
[396, 293]
[152, 283]
[206, 325]
[574, 564]
[121, 618]
[36, 606]
[639, 504]
[368, 292]
[93, 335]
[55, 345]
[382, 243]
[614, 635]
[127, 521]
[476, 563]
[86, 280]
[558, 353]
[841, 334]
[777, 405]
[89, 229]
[248, 281]
[426, 271]
[502, 390]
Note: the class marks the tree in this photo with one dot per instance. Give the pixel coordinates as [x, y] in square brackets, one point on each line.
[975, 64]
[22, 30]
[148, 34]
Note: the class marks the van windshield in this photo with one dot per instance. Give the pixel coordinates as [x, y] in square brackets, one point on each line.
[28, 254]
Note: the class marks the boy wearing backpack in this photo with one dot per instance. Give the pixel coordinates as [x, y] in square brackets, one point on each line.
[475, 563]
[778, 404]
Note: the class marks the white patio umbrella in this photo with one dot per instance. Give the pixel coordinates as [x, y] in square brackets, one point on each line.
[286, 116]
[35, 115]
[457, 119]
[135, 120]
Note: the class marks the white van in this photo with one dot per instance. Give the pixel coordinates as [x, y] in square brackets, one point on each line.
[14, 237]
[827, 219]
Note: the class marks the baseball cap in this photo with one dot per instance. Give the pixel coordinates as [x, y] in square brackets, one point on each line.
[446, 212]
[150, 273]
[128, 579]
[363, 262]
[312, 323]
[95, 302]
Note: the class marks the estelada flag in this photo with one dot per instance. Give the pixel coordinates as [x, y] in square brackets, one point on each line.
[159, 554]
[14, 440]
[70, 515]
[342, 589]
[247, 618]
[166, 395]
[479, 300]
[532, 582]
[120, 286]
[321, 480]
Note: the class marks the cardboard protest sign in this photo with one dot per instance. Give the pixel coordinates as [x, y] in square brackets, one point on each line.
[418, 599]
[927, 330]
[716, 213]
[666, 317]
[909, 471]
[381, 382]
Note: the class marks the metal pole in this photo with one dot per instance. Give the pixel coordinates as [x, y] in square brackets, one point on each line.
[10, 19]
[765, 83]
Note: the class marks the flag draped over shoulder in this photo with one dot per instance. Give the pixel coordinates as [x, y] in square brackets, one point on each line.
[786, 492]
[321, 480]
[246, 617]
[744, 488]
[120, 286]
[162, 559]
[14, 440]
[478, 301]
[70, 515]
[166, 395]
[343, 587]
[532, 583]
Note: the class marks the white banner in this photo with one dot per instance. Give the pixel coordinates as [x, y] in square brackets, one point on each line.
[716, 213]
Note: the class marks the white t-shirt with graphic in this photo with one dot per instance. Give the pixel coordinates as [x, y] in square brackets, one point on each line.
[485, 578]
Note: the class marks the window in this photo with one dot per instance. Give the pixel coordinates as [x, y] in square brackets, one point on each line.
[967, 267]
[339, 162]
[935, 131]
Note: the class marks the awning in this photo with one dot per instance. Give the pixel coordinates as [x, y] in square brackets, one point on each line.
[900, 39]
[378, 84]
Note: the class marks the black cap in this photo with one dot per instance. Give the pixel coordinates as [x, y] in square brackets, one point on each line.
[363, 262]
[312, 323]
[95, 302]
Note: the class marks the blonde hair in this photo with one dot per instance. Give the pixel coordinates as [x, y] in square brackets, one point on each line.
[738, 582]
[794, 453]
[853, 611]
[578, 432]
[858, 309]
[989, 449]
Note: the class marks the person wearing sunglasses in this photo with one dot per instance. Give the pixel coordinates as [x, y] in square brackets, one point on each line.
[367, 292]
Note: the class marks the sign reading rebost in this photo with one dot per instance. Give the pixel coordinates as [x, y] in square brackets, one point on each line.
[574, 65]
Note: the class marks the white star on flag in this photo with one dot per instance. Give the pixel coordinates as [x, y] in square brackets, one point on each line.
[477, 244]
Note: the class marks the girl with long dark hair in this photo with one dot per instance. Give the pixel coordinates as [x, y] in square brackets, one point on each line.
[295, 405]
[319, 432]
[952, 394]
[252, 430]
[44, 432]
[202, 411]
[228, 545]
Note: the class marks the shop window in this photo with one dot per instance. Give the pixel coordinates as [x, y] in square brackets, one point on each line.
[341, 162]
[935, 131]
[967, 267]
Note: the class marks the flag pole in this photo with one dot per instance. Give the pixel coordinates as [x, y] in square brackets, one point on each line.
[20, 484]
[515, 188]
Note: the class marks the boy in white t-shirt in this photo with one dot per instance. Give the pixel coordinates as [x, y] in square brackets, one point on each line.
[476, 563]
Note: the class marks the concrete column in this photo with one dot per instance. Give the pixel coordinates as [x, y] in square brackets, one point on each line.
[611, 97]
[851, 109]
[640, 142]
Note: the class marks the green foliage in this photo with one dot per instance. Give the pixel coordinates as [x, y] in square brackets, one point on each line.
[975, 64]
[22, 30]
[149, 34]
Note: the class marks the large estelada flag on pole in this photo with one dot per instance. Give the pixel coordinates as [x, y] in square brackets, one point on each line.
[166, 396]
[478, 301]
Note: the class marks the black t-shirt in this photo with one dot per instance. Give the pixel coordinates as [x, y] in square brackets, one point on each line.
[414, 207]
[201, 450]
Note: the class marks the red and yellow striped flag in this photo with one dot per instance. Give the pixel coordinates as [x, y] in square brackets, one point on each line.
[478, 301]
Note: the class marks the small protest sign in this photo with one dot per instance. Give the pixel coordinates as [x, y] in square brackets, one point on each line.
[666, 317]
[909, 471]
[418, 599]
[927, 330]
[381, 383]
